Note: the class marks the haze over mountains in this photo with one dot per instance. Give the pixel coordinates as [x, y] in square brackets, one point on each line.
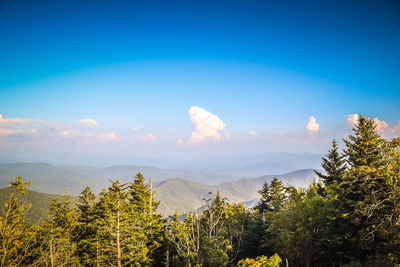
[236, 178]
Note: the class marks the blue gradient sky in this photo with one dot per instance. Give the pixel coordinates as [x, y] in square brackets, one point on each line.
[259, 66]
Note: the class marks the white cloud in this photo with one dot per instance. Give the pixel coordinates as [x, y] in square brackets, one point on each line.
[207, 125]
[147, 138]
[180, 142]
[88, 122]
[103, 138]
[7, 132]
[352, 119]
[382, 127]
[136, 129]
[254, 133]
[16, 120]
[312, 125]
[67, 133]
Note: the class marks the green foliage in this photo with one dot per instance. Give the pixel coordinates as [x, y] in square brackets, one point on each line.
[272, 196]
[262, 261]
[40, 204]
[351, 219]
[369, 194]
[17, 237]
[334, 166]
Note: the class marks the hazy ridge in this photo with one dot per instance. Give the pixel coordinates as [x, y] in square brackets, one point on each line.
[177, 190]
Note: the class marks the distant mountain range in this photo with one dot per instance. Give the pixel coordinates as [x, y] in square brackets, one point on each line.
[57, 179]
[179, 190]
[236, 166]
[184, 195]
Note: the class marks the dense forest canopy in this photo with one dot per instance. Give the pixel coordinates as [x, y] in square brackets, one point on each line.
[350, 216]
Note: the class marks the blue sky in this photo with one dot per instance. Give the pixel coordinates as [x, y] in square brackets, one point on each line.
[261, 68]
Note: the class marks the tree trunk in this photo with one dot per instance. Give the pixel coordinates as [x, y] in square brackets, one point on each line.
[51, 253]
[118, 241]
[97, 253]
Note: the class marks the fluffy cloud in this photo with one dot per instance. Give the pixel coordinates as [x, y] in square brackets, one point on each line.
[382, 127]
[147, 138]
[207, 125]
[7, 132]
[352, 119]
[180, 142]
[13, 126]
[88, 122]
[16, 120]
[312, 125]
[254, 133]
[103, 138]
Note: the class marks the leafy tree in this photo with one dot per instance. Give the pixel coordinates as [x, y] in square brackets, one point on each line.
[215, 244]
[237, 217]
[262, 261]
[302, 228]
[57, 235]
[184, 238]
[17, 238]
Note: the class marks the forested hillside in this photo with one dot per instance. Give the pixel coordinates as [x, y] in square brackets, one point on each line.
[349, 217]
[40, 203]
[56, 179]
[183, 195]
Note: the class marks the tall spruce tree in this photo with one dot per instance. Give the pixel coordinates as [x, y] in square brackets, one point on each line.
[87, 231]
[366, 195]
[145, 222]
[59, 248]
[114, 228]
[272, 196]
[334, 166]
[364, 148]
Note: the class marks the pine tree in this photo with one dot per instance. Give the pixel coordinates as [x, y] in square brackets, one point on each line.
[263, 204]
[115, 232]
[87, 239]
[148, 225]
[364, 148]
[58, 246]
[272, 196]
[334, 166]
[366, 194]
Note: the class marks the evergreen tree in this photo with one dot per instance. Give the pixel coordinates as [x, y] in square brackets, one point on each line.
[334, 166]
[263, 204]
[148, 225]
[301, 229]
[367, 196]
[87, 239]
[114, 228]
[364, 148]
[272, 196]
[58, 246]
